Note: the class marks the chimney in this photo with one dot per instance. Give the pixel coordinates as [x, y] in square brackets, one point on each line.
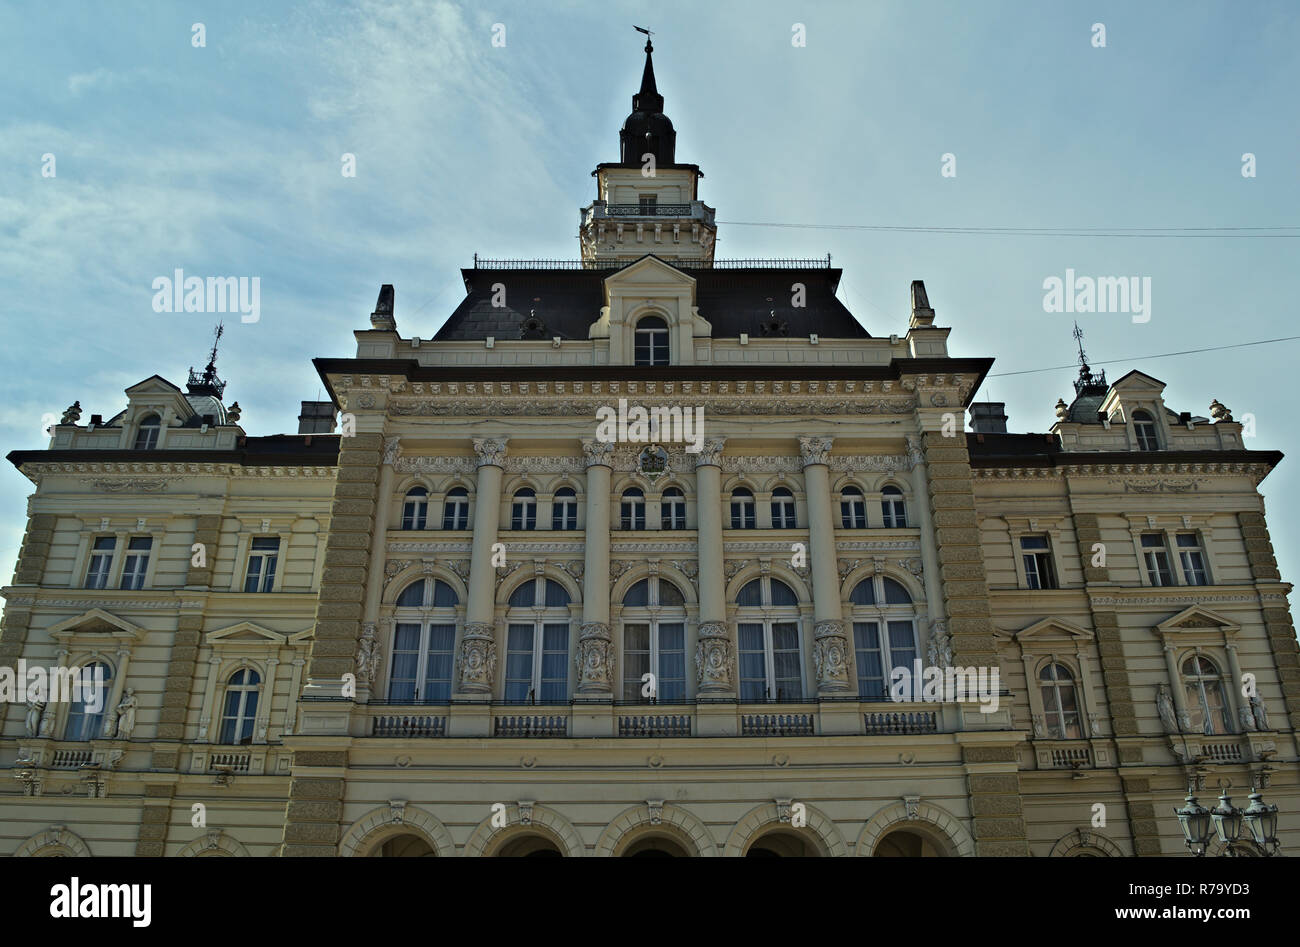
[317, 417]
[922, 314]
[988, 417]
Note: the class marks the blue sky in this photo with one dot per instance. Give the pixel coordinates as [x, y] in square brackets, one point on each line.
[226, 160]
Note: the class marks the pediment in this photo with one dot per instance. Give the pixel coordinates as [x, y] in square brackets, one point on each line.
[153, 385]
[1195, 619]
[1138, 381]
[96, 621]
[246, 633]
[1053, 629]
[648, 270]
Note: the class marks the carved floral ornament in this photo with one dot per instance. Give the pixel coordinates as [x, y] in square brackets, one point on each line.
[625, 458]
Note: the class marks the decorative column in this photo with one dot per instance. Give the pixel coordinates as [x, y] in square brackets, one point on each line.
[595, 657]
[939, 649]
[1176, 684]
[478, 647]
[714, 655]
[369, 655]
[830, 647]
[1238, 706]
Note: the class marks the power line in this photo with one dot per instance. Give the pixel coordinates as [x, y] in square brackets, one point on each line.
[1137, 358]
[1131, 232]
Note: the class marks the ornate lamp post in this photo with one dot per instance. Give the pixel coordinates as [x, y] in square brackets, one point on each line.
[1259, 820]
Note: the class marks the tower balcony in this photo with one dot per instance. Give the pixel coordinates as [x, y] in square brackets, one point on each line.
[694, 211]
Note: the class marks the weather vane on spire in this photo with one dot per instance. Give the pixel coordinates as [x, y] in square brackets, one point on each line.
[1078, 337]
[649, 47]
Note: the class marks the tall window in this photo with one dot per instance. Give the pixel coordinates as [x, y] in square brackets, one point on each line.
[239, 712]
[771, 666]
[654, 641]
[632, 509]
[651, 341]
[101, 562]
[564, 509]
[86, 715]
[743, 513]
[1205, 698]
[884, 634]
[1036, 554]
[523, 511]
[146, 436]
[137, 562]
[672, 509]
[1156, 558]
[261, 564]
[893, 508]
[537, 643]
[415, 509]
[853, 508]
[455, 509]
[1144, 427]
[1191, 559]
[648, 204]
[1060, 703]
[782, 509]
[424, 642]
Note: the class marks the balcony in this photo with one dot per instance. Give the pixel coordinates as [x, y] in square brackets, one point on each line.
[693, 211]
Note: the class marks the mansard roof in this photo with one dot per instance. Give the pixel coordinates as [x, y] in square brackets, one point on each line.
[567, 301]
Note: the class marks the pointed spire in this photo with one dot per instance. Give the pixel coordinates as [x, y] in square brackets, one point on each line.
[648, 99]
[208, 383]
[1088, 382]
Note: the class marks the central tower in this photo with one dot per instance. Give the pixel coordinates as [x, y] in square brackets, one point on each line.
[646, 202]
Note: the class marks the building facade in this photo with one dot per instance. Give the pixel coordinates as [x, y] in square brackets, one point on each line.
[622, 561]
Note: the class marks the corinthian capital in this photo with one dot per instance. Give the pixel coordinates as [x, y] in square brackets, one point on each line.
[815, 450]
[596, 453]
[710, 454]
[491, 451]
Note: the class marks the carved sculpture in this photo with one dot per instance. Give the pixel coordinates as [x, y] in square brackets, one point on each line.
[1165, 707]
[126, 714]
[815, 450]
[35, 711]
[73, 414]
[367, 657]
[1261, 715]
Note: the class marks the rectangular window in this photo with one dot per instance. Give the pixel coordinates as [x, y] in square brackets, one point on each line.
[262, 558]
[422, 662]
[1156, 558]
[753, 663]
[137, 562]
[1192, 559]
[537, 675]
[877, 659]
[783, 513]
[648, 204]
[1036, 554]
[101, 562]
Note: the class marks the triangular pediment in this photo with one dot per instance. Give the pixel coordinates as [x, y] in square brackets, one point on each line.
[96, 621]
[246, 633]
[1053, 629]
[154, 384]
[1138, 381]
[1194, 618]
[649, 270]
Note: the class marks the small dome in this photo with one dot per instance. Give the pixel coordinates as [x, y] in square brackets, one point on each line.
[207, 404]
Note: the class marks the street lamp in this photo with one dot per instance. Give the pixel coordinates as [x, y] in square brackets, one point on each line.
[1259, 821]
[1195, 820]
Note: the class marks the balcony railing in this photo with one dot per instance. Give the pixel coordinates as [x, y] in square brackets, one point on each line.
[646, 210]
[889, 724]
[672, 725]
[531, 725]
[777, 725]
[403, 726]
[611, 263]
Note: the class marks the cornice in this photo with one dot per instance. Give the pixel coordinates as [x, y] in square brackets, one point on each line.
[110, 469]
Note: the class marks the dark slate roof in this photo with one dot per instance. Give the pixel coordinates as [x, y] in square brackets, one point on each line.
[567, 302]
[277, 449]
[1011, 445]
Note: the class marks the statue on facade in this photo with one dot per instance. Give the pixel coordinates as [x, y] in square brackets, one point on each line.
[126, 714]
[367, 657]
[939, 651]
[1165, 707]
[1261, 715]
[73, 414]
[35, 710]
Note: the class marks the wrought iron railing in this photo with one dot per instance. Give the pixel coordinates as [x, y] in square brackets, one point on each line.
[648, 210]
[609, 263]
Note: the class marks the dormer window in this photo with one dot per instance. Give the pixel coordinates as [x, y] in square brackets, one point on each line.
[146, 437]
[1144, 428]
[651, 341]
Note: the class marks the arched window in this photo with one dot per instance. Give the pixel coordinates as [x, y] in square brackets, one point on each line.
[424, 642]
[537, 643]
[86, 715]
[853, 508]
[146, 436]
[415, 510]
[1205, 698]
[632, 509]
[672, 509]
[771, 659]
[654, 642]
[651, 341]
[782, 509]
[564, 509]
[743, 515]
[1144, 428]
[523, 512]
[239, 710]
[884, 635]
[893, 508]
[1060, 702]
[455, 509]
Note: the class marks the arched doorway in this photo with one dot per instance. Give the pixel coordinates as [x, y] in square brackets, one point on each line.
[655, 846]
[782, 845]
[904, 843]
[404, 846]
[530, 846]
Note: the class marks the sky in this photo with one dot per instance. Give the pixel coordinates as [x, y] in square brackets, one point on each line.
[226, 158]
